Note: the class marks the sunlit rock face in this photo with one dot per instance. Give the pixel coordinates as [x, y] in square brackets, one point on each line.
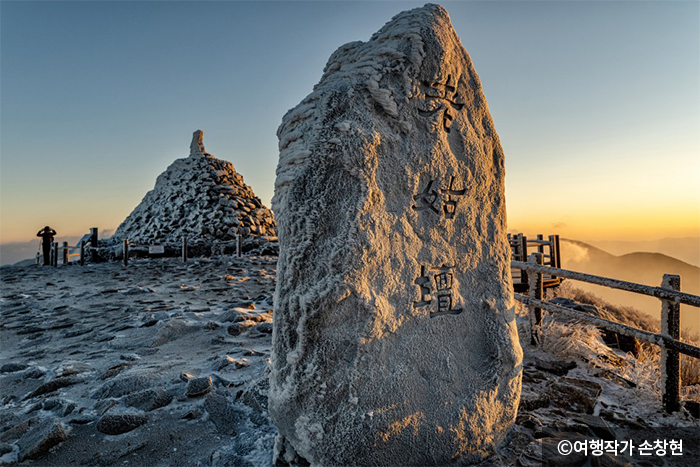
[394, 336]
[200, 197]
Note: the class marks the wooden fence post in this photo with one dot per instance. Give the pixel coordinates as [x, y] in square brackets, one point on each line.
[523, 255]
[54, 254]
[82, 252]
[558, 254]
[552, 252]
[184, 248]
[670, 359]
[64, 255]
[239, 249]
[126, 252]
[536, 291]
[93, 237]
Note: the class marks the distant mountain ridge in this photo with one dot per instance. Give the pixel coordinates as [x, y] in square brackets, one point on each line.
[683, 248]
[639, 267]
[652, 258]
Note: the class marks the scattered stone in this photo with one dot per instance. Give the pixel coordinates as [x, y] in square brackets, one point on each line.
[175, 329]
[199, 386]
[239, 328]
[573, 394]
[18, 430]
[221, 413]
[394, 146]
[5, 448]
[530, 400]
[227, 360]
[13, 367]
[53, 385]
[115, 370]
[597, 426]
[127, 384]
[148, 400]
[41, 438]
[117, 424]
[33, 373]
[554, 367]
[192, 414]
[264, 328]
[82, 420]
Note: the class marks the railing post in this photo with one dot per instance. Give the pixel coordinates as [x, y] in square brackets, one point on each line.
[558, 253]
[184, 248]
[64, 256]
[239, 249]
[54, 257]
[82, 252]
[126, 252]
[552, 252]
[93, 237]
[670, 359]
[540, 246]
[536, 291]
[523, 254]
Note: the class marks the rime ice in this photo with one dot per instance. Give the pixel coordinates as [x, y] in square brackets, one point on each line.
[201, 197]
[395, 339]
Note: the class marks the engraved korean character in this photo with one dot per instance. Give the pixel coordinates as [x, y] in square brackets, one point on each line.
[443, 289]
[427, 199]
[423, 283]
[450, 205]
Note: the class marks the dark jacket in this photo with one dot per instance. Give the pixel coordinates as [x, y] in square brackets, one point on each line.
[46, 234]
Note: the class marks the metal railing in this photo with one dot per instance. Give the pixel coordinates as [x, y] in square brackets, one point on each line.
[184, 248]
[668, 339]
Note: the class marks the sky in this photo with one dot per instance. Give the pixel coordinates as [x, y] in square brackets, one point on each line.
[597, 104]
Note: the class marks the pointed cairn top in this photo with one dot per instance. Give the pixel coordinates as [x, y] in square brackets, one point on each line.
[197, 145]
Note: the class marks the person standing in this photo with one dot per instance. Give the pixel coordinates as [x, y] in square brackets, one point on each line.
[46, 235]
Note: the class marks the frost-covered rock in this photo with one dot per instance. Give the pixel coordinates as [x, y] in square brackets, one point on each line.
[395, 339]
[200, 197]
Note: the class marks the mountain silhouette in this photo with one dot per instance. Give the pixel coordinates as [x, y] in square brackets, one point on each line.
[640, 267]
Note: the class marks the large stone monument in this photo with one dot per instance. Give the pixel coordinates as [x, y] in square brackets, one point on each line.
[394, 331]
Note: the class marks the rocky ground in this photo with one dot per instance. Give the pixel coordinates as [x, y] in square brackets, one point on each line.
[164, 363]
[160, 363]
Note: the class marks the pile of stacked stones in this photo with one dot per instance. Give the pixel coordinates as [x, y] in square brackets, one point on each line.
[200, 197]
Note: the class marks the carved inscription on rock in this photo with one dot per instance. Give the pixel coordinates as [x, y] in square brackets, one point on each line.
[435, 286]
[441, 97]
[440, 201]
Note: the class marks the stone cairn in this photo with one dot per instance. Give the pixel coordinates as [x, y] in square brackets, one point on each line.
[200, 197]
[395, 340]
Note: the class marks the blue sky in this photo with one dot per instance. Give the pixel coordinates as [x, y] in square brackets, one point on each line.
[597, 104]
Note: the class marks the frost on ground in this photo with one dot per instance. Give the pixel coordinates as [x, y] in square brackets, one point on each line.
[160, 363]
[164, 363]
